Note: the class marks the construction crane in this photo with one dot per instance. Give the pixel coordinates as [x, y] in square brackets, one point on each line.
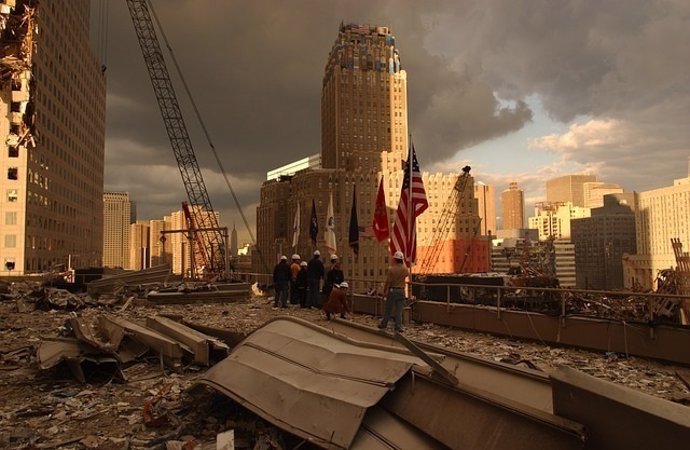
[445, 222]
[208, 245]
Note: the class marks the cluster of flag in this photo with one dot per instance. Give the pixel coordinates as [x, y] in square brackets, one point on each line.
[412, 203]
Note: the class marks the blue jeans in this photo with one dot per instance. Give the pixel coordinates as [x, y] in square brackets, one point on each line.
[395, 299]
[281, 297]
[313, 296]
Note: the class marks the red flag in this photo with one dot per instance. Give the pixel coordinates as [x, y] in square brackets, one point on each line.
[381, 215]
[412, 203]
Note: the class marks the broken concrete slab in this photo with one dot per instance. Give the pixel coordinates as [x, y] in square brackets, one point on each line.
[199, 343]
[163, 345]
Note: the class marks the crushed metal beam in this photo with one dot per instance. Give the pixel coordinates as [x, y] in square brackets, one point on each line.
[163, 345]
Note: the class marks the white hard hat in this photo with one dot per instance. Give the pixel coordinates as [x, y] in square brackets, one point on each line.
[398, 255]
[317, 253]
[295, 256]
[344, 285]
[303, 264]
[334, 257]
[283, 258]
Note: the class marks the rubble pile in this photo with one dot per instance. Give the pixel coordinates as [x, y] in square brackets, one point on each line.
[51, 409]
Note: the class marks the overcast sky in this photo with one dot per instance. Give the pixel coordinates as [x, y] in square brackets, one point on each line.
[521, 90]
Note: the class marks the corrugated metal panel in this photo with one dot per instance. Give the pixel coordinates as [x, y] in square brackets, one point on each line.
[305, 380]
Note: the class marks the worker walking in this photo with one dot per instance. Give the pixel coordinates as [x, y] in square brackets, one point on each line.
[334, 276]
[394, 290]
[294, 270]
[315, 272]
[281, 279]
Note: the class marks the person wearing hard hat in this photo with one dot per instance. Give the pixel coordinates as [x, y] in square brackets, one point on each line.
[334, 276]
[337, 301]
[301, 283]
[394, 290]
[294, 270]
[315, 272]
[281, 278]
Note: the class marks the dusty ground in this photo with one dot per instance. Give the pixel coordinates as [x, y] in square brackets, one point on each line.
[48, 409]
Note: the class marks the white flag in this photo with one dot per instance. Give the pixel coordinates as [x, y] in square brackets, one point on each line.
[295, 227]
[329, 234]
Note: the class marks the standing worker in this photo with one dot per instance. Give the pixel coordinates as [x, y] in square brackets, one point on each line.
[394, 290]
[315, 272]
[294, 270]
[302, 283]
[281, 278]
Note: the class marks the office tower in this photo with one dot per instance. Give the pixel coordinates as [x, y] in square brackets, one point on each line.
[233, 242]
[159, 244]
[552, 220]
[52, 92]
[513, 204]
[139, 248]
[486, 208]
[595, 191]
[601, 241]
[364, 139]
[568, 188]
[660, 214]
[363, 99]
[117, 210]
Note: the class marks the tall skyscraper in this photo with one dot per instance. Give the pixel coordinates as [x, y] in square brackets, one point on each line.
[513, 205]
[486, 198]
[117, 210]
[140, 246]
[568, 188]
[52, 91]
[233, 242]
[364, 139]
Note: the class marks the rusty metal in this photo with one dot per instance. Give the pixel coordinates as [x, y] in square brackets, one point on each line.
[618, 417]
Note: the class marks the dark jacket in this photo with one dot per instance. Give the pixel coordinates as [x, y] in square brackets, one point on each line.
[281, 273]
[333, 277]
[301, 281]
[315, 268]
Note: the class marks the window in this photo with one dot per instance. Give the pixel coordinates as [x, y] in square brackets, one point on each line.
[10, 218]
[13, 152]
[12, 195]
[10, 240]
[12, 173]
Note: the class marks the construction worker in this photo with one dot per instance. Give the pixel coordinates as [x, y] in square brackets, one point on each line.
[315, 272]
[394, 290]
[281, 279]
[301, 285]
[337, 301]
[294, 270]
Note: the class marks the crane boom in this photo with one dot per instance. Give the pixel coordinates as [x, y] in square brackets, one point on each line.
[444, 223]
[209, 245]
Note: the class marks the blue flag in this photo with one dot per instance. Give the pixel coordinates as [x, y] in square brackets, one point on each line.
[314, 224]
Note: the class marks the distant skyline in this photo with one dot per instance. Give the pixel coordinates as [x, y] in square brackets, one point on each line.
[518, 91]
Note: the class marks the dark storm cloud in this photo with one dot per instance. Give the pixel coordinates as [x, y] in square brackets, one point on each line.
[255, 69]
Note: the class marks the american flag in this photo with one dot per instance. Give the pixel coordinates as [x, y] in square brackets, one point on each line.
[404, 236]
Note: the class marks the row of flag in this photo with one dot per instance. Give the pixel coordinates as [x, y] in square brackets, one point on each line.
[413, 202]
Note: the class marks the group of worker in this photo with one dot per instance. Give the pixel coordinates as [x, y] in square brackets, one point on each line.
[300, 283]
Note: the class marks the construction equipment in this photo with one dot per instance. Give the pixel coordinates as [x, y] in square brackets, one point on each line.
[445, 222]
[209, 246]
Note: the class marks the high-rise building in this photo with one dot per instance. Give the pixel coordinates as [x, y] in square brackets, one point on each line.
[513, 204]
[568, 188]
[117, 210]
[553, 219]
[52, 91]
[660, 214]
[364, 139]
[160, 245]
[233, 242]
[601, 241]
[486, 198]
[594, 192]
[139, 247]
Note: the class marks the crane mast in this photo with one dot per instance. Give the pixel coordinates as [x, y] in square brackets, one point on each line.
[445, 221]
[209, 247]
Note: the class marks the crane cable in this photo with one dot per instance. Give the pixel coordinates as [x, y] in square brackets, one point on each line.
[205, 130]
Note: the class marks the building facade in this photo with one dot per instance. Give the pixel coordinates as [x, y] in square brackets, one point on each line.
[513, 205]
[364, 138]
[660, 214]
[552, 220]
[139, 247]
[486, 208]
[594, 192]
[568, 188]
[52, 90]
[602, 240]
[117, 218]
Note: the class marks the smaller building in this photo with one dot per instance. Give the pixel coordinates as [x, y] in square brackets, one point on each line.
[552, 220]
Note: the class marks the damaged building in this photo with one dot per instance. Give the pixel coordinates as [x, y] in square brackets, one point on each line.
[52, 91]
